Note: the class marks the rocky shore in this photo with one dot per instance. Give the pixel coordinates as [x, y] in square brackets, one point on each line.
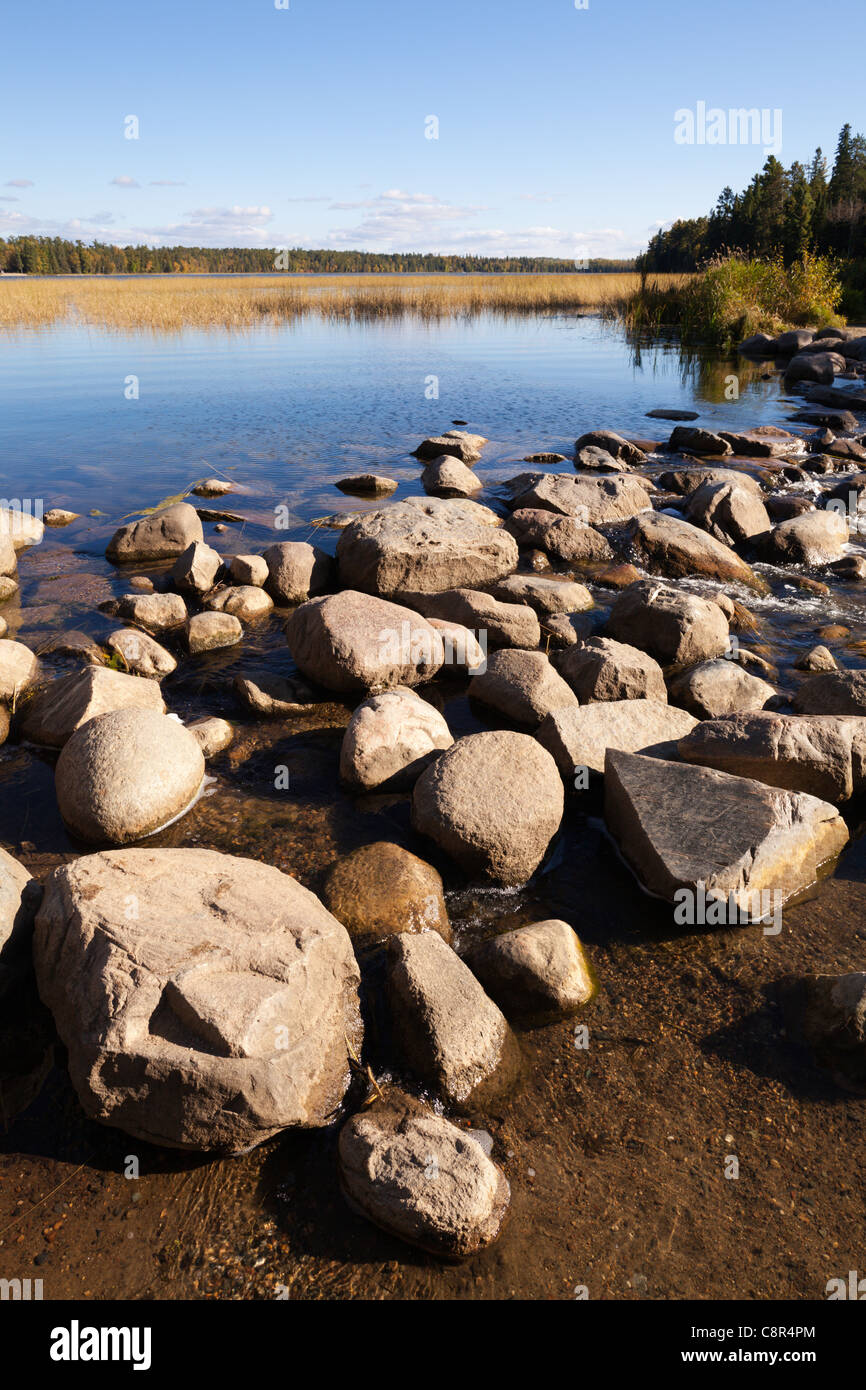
[601, 615]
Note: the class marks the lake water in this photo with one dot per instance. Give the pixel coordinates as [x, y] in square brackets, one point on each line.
[615, 1155]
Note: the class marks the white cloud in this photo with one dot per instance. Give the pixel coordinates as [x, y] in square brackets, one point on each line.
[20, 183]
[124, 181]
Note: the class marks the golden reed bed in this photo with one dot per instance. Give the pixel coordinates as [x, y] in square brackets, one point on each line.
[171, 304]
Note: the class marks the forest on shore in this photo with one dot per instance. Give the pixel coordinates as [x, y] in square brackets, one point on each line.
[805, 208]
[38, 255]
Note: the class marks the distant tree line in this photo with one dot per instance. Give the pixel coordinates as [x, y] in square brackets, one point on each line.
[38, 255]
[782, 212]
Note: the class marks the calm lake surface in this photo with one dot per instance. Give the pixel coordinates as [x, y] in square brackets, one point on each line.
[615, 1155]
[292, 409]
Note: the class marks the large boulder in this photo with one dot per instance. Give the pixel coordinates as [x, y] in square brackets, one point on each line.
[123, 775]
[140, 654]
[297, 571]
[195, 571]
[161, 536]
[720, 687]
[580, 738]
[154, 612]
[731, 511]
[835, 692]
[246, 602]
[390, 740]
[19, 898]
[21, 526]
[595, 501]
[544, 595]
[563, 537]
[675, 627]
[523, 686]
[20, 669]
[683, 827]
[381, 890]
[206, 632]
[506, 624]
[691, 439]
[819, 367]
[493, 802]
[420, 1178]
[425, 545]
[822, 754]
[602, 669]
[450, 1032]
[670, 546]
[537, 973]
[353, 641]
[611, 443]
[66, 704]
[814, 538]
[206, 1001]
[446, 476]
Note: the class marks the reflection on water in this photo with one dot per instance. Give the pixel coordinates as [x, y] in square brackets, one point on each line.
[614, 1155]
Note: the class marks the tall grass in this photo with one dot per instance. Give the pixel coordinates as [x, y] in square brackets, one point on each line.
[175, 303]
[735, 297]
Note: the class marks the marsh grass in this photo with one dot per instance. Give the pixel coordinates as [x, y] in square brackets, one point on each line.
[172, 304]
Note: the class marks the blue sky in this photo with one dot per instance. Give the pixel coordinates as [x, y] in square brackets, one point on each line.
[307, 125]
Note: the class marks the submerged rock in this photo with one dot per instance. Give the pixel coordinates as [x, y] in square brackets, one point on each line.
[680, 826]
[493, 801]
[391, 739]
[450, 1032]
[367, 485]
[123, 775]
[71, 701]
[275, 696]
[580, 738]
[421, 1178]
[381, 890]
[834, 1023]
[161, 536]
[211, 1018]
[537, 973]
